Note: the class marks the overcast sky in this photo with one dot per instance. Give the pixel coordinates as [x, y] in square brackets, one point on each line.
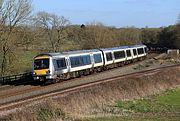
[118, 13]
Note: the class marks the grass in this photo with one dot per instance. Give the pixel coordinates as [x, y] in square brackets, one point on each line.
[163, 107]
[22, 62]
[133, 118]
[171, 97]
[46, 114]
[26, 59]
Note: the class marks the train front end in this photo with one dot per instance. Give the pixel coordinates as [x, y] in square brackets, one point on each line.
[42, 68]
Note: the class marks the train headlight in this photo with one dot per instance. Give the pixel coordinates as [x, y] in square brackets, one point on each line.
[48, 72]
[34, 73]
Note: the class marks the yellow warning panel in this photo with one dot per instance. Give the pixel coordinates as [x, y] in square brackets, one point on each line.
[42, 57]
[41, 72]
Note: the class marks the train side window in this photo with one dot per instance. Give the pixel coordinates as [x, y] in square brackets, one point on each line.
[97, 58]
[145, 49]
[140, 51]
[119, 54]
[76, 61]
[86, 59]
[128, 53]
[80, 60]
[109, 56]
[134, 52]
[61, 63]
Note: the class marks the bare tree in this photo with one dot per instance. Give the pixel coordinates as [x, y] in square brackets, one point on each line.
[54, 27]
[25, 36]
[96, 35]
[12, 14]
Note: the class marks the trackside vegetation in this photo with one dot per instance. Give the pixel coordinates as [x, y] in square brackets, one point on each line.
[162, 107]
[148, 97]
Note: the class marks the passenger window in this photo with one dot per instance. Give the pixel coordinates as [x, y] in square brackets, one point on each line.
[109, 56]
[128, 52]
[61, 63]
[97, 58]
[76, 61]
[134, 52]
[119, 54]
[145, 49]
[80, 60]
[86, 59]
[140, 51]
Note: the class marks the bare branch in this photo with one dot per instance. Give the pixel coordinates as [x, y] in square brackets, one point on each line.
[12, 14]
[53, 26]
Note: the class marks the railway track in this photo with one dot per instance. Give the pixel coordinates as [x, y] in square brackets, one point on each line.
[38, 93]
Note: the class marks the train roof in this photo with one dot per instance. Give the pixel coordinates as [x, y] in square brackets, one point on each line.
[88, 51]
[80, 51]
[140, 45]
[69, 52]
[124, 47]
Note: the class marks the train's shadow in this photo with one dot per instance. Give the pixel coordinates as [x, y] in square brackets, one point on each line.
[25, 81]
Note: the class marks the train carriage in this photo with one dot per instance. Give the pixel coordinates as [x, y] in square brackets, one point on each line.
[119, 55]
[141, 51]
[64, 65]
[42, 67]
[108, 56]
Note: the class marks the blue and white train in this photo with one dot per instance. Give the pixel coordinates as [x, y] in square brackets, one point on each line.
[66, 65]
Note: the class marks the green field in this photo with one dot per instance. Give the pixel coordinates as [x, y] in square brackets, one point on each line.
[24, 60]
[21, 62]
[163, 107]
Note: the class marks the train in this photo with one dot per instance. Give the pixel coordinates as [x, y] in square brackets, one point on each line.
[65, 65]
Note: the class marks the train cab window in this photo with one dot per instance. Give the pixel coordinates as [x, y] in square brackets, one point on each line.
[61, 63]
[134, 52]
[41, 64]
[109, 56]
[97, 58]
[119, 54]
[140, 51]
[128, 52]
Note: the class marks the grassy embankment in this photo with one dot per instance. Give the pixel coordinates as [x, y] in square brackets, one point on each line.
[22, 62]
[163, 107]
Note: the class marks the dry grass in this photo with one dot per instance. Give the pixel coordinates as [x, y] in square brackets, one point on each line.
[45, 111]
[86, 100]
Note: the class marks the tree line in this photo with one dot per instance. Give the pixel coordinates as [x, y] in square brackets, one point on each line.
[21, 30]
